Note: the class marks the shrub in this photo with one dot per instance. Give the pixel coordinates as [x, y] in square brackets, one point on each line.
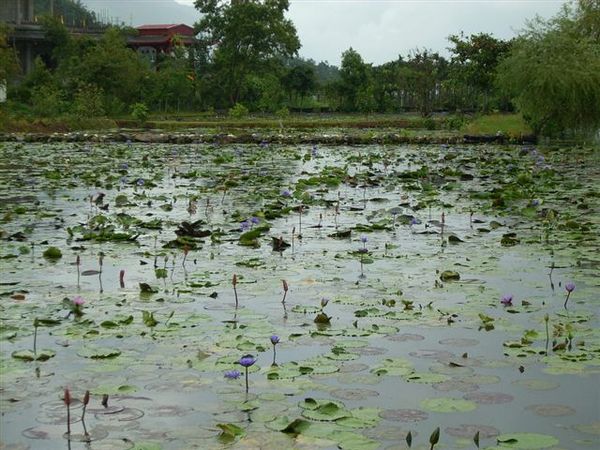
[139, 111]
[238, 111]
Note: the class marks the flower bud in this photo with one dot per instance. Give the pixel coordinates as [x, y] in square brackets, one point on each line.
[67, 397]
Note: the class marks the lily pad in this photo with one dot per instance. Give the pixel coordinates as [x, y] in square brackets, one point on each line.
[526, 441]
[448, 405]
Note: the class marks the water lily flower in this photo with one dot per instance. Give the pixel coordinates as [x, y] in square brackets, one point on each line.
[324, 302]
[570, 287]
[413, 221]
[507, 299]
[232, 374]
[140, 182]
[247, 361]
[255, 220]
[275, 339]
[245, 225]
[314, 151]
[78, 301]
[124, 166]
[286, 193]
[364, 239]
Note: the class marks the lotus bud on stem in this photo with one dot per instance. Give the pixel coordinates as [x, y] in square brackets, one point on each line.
[434, 438]
[36, 324]
[67, 400]
[234, 283]
[409, 439]
[86, 400]
[78, 264]
[122, 278]
[443, 222]
[547, 319]
[285, 290]
[186, 250]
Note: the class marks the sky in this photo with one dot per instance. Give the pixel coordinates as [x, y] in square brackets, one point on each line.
[379, 30]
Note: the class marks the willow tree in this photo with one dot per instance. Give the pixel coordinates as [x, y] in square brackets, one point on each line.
[553, 71]
[244, 38]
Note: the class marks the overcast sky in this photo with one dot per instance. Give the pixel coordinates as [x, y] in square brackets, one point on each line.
[379, 30]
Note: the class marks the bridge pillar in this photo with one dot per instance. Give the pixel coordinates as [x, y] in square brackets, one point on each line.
[30, 15]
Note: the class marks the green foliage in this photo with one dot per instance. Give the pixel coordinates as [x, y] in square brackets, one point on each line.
[9, 65]
[553, 73]
[249, 36]
[354, 83]
[283, 113]
[48, 101]
[473, 67]
[89, 101]
[238, 111]
[424, 72]
[139, 111]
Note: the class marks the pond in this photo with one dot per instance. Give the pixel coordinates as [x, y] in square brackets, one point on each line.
[418, 293]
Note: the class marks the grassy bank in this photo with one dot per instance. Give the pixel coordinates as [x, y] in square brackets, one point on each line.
[448, 125]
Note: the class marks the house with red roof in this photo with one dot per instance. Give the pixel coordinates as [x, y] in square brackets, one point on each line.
[152, 40]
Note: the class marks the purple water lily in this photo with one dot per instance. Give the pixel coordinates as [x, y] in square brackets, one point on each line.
[232, 374]
[507, 299]
[247, 361]
[274, 340]
[570, 287]
[286, 193]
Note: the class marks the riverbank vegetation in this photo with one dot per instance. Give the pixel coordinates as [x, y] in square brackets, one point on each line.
[80, 78]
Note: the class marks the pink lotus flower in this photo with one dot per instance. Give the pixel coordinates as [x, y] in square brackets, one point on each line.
[78, 301]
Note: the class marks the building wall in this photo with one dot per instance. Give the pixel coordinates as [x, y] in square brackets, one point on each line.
[16, 11]
[8, 10]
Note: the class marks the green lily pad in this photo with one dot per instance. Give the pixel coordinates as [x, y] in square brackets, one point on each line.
[98, 352]
[526, 441]
[448, 405]
[28, 355]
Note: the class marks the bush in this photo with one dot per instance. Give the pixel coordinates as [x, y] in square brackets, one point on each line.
[283, 113]
[89, 101]
[139, 111]
[238, 111]
[47, 101]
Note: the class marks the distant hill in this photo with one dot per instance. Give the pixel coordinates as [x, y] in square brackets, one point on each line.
[139, 12]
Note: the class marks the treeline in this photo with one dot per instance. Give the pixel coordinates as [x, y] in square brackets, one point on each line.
[245, 60]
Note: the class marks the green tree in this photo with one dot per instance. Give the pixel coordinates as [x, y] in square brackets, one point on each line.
[244, 37]
[116, 70]
[300, 80]
[473, 66]
[354, 85]
[553, 72]
[424, 74]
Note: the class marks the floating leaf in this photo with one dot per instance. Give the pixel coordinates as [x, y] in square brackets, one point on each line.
[448, 405]
[526, 441]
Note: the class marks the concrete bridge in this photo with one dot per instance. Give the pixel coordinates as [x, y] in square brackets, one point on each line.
[26, 35]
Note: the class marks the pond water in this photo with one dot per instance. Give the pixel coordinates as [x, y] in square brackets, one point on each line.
[412, 248]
